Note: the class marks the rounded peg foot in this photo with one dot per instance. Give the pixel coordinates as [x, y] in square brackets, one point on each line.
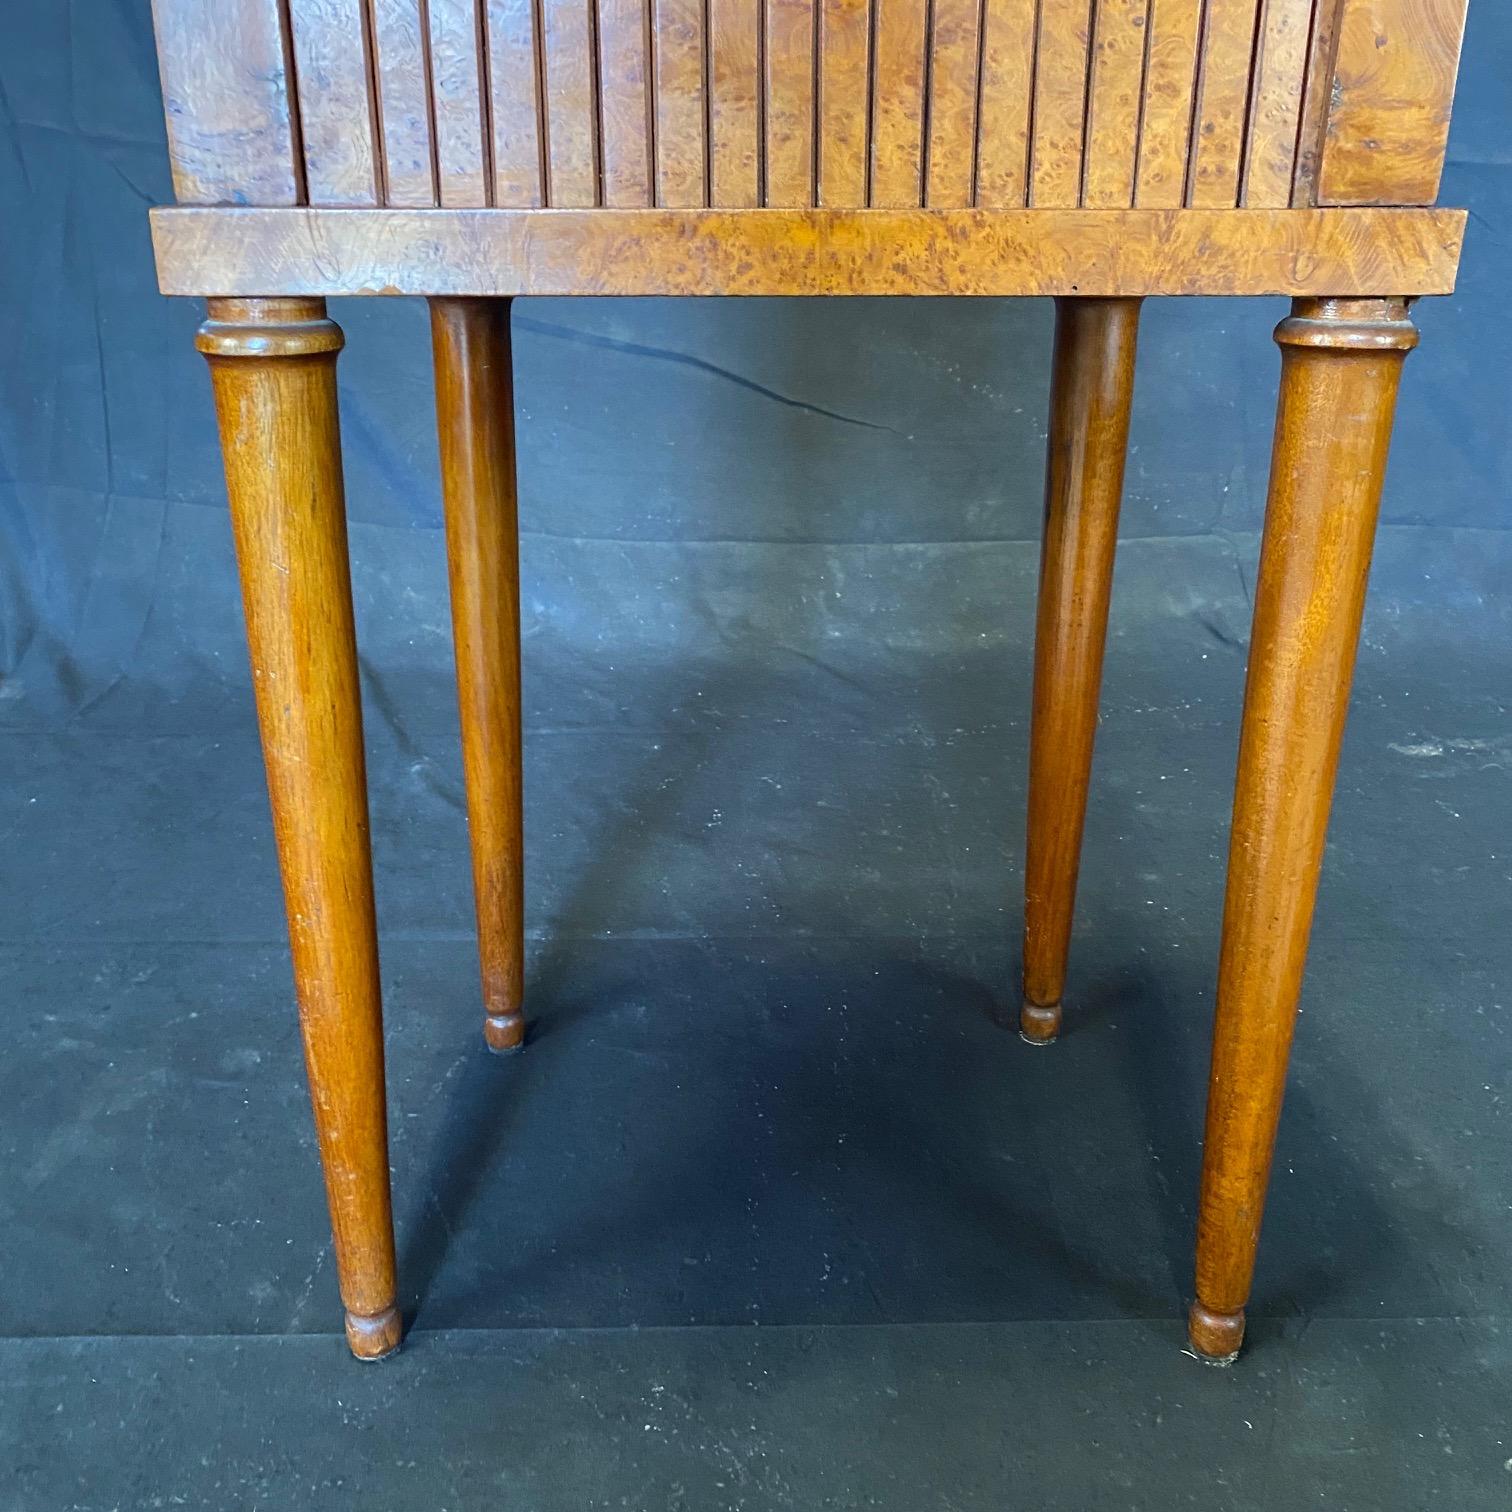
[1038, 1024]
[504, 1032]
[374, 1338]
[1215, 1336]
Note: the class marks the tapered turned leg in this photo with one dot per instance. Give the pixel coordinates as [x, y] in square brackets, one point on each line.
[475, 414]
[1092, 387]
[273, 364]
[1341, 361]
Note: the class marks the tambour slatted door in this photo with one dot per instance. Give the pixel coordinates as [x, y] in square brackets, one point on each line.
[950, 104]
[1100, 151]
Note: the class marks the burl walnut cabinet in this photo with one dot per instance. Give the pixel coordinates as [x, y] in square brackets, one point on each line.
[1099, 151]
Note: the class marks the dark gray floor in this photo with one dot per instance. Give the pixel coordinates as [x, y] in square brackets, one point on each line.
[772, 1212]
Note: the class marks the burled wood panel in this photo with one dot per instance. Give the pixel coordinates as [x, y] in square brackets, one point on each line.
[1115, 94]
[515, 101]
[339, 132]
[682, 167]
[401, 89]
[791, 104]
[789, 114]
[1008, 35]
[1165, 134]
[624, 43]
[458, 93]
[1223, 91]
[1395, 63]
[844, 113]
[734, 103]
[1280, 65]
[232, 120]
[811, 252]
[571, 86]
[1060, 104]
[899, 49]
[950, 157]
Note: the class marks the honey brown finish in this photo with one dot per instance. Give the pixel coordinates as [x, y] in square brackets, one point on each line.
[1091, 392]
[273, 366]
[1341, 361]
[1100, 253]
[475, 419]
[1097, 151]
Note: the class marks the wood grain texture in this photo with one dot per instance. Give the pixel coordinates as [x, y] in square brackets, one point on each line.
[844, 102]
[1090, 252]
[897, 113]
[1223, 90]
[464, 178]
[232, 126]
[625, 101]
[950, 158]
[1060, 104]
[273, 368]
[1170, 88]
[739, 104]
[1091, 393]
[337, 126]
[1008, 34]
[1316, 89]
[1341, 364]
[572, 142]
[475, 424]
[1115, 97]
[682, 165]
[1395, 65]
[401, 67]
[790, 103]
[514, 92]
[1280, 66]
[735, 143]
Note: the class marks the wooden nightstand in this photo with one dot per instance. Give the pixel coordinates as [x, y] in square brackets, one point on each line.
[1099, 151]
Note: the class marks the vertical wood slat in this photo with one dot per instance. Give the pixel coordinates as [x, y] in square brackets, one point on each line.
[790, 103]
[844, 102]
[1060, 104]
[232, 123]
[1170, 87]
[677, 35]
[897, 113]
[457, 105]
[400, 85]
[949, 163]
[1315, 93]
[514, 101]
[1395, 64]
[1113, 103]
[335, 102]
[1276, 104]
[624, 101]
[734, 103]
[1002, 178]
[572, 149]
[1223, 92]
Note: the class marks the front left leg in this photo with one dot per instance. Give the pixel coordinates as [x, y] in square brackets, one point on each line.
[273, 366]
[1341, 362]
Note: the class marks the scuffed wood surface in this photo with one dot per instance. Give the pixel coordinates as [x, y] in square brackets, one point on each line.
[1091, 252]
